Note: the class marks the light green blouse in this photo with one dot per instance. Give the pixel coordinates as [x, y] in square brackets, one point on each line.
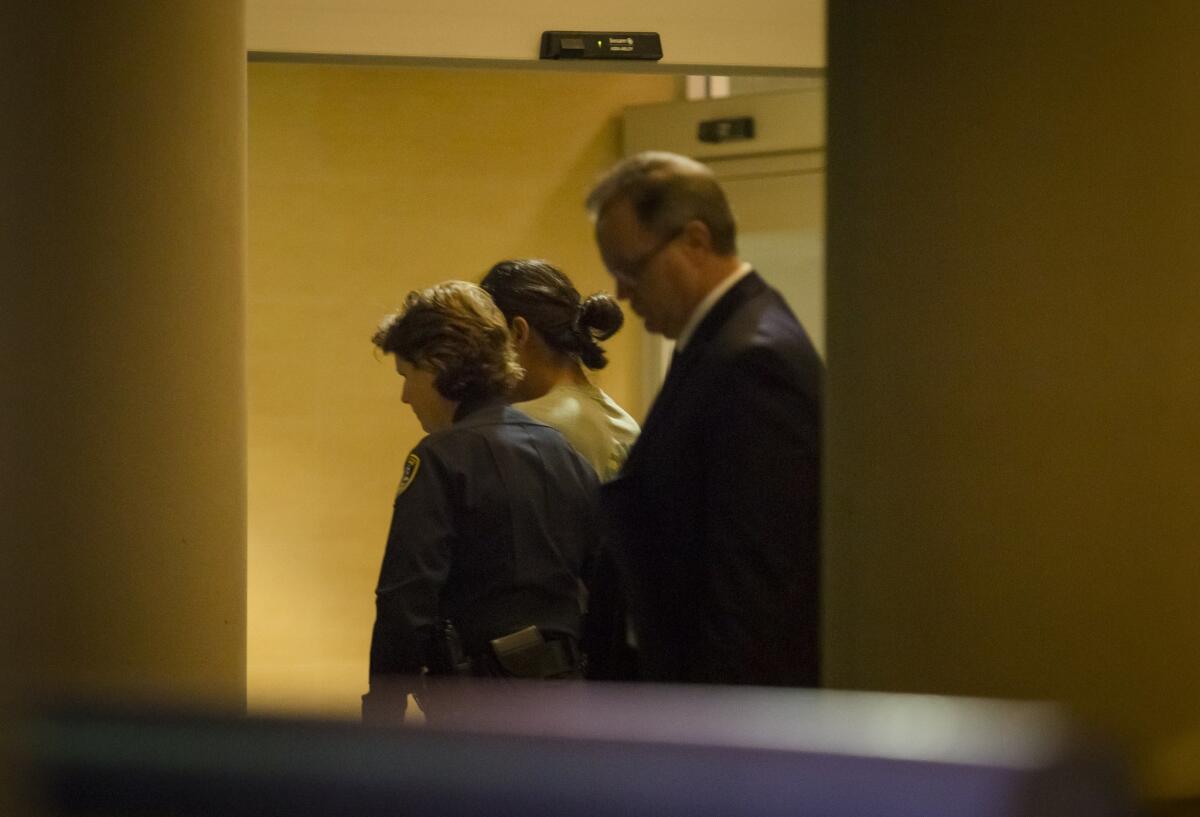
[600, 430]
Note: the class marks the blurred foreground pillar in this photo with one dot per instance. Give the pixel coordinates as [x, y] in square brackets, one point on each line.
[122, 451]
[1014, 334]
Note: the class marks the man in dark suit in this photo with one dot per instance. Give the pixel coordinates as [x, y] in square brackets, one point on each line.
[713, 522]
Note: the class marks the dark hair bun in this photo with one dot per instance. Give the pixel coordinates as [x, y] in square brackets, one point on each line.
[598, 318]
[540, 293]
[601, 316]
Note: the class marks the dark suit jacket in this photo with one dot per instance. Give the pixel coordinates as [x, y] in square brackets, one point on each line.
[713, 522]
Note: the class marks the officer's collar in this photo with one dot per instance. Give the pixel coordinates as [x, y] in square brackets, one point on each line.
[472, 405]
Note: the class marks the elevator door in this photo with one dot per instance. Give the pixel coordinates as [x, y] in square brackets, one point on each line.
[779, 206]
[776, 186]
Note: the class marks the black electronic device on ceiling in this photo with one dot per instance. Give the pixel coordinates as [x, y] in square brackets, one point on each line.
[601, 45]
[716, 131]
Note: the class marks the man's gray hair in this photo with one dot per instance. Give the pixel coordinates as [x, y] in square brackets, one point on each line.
[667, 191]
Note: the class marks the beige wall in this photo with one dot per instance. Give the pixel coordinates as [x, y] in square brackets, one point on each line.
[756, 35]
[1013, 496]
[366, 182]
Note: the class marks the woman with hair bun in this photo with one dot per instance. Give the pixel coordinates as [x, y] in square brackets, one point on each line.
[556, 334]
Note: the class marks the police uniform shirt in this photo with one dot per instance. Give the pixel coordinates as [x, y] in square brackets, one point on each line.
[491, 526]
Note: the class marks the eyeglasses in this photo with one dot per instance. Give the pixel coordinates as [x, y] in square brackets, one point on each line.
[630, 272]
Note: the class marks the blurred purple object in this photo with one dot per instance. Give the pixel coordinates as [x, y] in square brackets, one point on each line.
[590, 749]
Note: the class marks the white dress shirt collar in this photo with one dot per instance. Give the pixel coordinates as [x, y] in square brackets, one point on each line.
[706, 305]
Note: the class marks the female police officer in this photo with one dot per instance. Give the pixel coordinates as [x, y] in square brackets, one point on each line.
[495, 513]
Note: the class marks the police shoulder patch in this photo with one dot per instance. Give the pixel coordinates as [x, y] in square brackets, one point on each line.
[411, 466]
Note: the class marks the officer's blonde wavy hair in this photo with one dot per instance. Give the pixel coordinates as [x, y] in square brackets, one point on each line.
[454, 330]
